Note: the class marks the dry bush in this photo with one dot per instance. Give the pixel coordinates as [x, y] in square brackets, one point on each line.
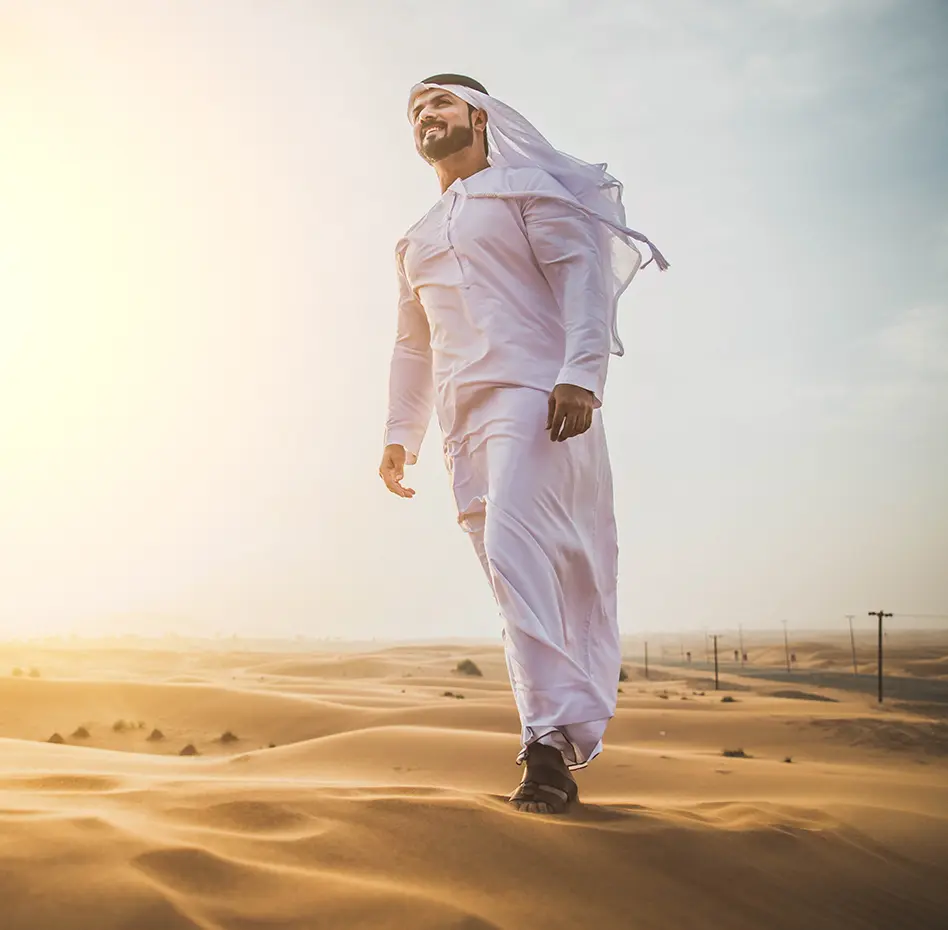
[735, 754]
[467, 667]
[189, 750]
[55, 738]
[80, 733]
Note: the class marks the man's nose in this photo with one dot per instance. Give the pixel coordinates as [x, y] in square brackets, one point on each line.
[426, 116]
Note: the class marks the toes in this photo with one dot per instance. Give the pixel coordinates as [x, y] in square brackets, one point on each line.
[533, 807]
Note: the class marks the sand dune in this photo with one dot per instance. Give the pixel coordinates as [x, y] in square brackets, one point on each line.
[381, 802]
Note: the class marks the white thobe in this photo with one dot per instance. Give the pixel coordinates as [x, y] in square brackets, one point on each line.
[500, 299]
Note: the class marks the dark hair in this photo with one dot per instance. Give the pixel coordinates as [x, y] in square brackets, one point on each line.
[463, 81]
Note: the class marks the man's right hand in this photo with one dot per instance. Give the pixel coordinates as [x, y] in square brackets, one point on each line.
[392, 470]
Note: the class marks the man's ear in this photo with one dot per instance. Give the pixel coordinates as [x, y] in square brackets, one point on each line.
[479, 120]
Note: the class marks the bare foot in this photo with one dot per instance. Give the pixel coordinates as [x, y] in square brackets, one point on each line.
[547, 786]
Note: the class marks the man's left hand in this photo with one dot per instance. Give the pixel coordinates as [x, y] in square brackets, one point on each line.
[570, 411]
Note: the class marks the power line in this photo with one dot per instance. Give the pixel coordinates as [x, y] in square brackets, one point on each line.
[923, 616]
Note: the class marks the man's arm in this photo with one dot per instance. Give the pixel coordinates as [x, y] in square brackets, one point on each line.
[568, 247]
[410, 390]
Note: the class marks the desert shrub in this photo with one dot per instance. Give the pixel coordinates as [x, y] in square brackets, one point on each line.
[228, 737]
[34, 673]
[460, 697]
[156, 736]
[18, 672]
[789, 759]
[448, 694]
[727, 699]
[120, 726]
[80, 733]
[55, 738]
[735, 754]
[189, 750]
[467, 667]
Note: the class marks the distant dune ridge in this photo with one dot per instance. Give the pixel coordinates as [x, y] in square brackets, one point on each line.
[343, 790]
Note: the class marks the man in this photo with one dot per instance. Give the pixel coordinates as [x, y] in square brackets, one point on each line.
[506, 318]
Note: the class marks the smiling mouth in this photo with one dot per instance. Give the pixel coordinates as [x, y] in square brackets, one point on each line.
[429, 129]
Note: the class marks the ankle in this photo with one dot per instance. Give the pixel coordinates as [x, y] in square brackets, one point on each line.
[545, 754]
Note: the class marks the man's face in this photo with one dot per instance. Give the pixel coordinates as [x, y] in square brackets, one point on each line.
[442, 124]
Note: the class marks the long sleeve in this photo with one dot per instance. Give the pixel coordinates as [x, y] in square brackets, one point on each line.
[410, 389]
[568, 248]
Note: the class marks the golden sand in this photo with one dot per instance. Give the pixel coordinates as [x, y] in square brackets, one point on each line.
[381, 802]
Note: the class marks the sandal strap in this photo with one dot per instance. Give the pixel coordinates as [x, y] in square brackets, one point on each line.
[547, 776]
[548, 785]
[533, 791]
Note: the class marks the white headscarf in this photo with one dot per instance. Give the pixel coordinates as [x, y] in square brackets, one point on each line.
[514, 142]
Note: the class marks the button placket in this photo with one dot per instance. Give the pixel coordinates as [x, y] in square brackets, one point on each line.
[449, 219]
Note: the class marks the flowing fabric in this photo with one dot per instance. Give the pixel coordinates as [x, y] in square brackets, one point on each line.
[540, 517]
[500, 299]
[514, 142]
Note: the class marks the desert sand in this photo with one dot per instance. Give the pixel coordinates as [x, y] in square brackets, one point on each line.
[365, 789]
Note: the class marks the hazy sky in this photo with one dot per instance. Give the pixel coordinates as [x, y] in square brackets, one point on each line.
[199, 203]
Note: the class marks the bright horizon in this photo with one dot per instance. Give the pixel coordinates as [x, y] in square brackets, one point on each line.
[198, 211]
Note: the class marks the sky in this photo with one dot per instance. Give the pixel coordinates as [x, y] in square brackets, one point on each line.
[199, 203]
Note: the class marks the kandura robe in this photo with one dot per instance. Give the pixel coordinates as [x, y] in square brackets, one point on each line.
[501, 297]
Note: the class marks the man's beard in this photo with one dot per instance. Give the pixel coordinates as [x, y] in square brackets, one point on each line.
[448, 143]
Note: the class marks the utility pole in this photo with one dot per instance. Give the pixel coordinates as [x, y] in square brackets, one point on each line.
[741, 632]
[715, 637]
[786, 645]
[880, 614]
[646, 660]
[852, 642]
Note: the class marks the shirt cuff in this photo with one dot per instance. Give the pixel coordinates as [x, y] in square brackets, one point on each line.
[582, 378]
[407, 439]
